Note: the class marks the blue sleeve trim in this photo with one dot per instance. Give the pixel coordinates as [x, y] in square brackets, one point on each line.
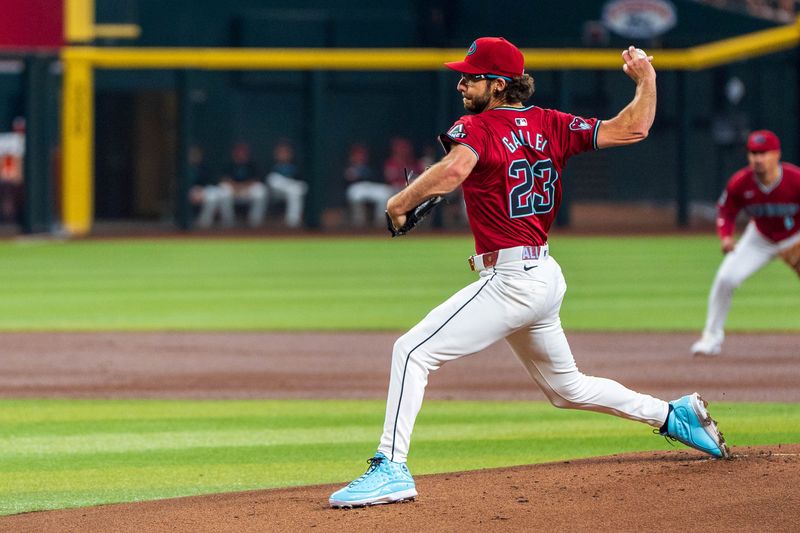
[445, 136]
[594, 135]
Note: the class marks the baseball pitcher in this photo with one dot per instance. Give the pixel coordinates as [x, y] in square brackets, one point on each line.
[769, 192]
[509, 159]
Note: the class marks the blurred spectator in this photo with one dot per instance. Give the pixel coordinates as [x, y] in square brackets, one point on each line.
[242, 182]
[363, 188]
[12, 155]
[284, 183]
[207, 193]
[401, 160]
[427, 158]
[776, 10]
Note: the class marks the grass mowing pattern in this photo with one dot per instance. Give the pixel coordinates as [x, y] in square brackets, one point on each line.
[68, 453]
[627, 284]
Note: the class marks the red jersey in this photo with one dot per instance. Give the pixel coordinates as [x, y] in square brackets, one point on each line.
[514, 191]
[775, 210]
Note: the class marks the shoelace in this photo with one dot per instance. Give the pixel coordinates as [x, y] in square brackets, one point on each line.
[667, 437]
[374, 462]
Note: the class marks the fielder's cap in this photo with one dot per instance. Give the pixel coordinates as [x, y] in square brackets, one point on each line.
[763, 141]
[491, 55]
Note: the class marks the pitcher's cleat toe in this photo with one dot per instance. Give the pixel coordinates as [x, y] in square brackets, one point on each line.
[689, 422]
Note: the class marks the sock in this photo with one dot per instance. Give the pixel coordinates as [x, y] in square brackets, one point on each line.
[663, 429]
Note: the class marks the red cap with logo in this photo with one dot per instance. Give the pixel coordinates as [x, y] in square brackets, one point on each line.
[491, 55]
[763, 141]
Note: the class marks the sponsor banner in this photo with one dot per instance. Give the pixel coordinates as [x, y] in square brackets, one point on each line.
[639, 19]
[32, 24]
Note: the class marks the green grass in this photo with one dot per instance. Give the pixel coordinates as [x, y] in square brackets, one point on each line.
[67, 453]
[630, 284]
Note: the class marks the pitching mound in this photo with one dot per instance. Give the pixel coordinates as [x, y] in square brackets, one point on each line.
[682, 490]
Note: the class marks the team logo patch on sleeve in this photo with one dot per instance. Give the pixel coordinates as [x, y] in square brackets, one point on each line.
[457, 132]
[578, 124]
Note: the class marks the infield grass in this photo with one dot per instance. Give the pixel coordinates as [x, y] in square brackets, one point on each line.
[622, 284]
[69, 453]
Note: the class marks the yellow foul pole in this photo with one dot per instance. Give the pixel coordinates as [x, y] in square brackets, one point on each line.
[78, 21]
[77, 142]
[77, 121]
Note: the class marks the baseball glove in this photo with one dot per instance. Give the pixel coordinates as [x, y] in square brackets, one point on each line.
[792, 257]
[413, 217]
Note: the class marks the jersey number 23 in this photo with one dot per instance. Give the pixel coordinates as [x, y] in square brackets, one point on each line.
[525, 199]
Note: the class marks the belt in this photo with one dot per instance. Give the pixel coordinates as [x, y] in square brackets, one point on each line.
[507, 255]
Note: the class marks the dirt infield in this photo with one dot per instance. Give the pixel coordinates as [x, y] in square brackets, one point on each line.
[755, 367]
[680, 489]
[677, 491]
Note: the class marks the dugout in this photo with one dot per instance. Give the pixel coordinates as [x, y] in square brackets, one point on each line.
[145, 118]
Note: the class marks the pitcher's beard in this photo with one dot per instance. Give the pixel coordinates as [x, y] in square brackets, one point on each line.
[478, 104]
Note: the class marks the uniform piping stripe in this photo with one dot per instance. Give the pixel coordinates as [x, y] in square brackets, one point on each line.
[408, 358]
[772, 186]
[471, 148]
[507, 108]
[594, 134]
[447, 143]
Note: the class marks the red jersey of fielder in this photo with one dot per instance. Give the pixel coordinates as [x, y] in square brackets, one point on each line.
[775, 210]
[514, 191]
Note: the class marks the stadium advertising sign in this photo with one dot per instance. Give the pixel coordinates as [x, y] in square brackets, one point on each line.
[639, 19]
[32, 24]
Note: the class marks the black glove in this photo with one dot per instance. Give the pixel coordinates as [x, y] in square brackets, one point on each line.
[413, 217]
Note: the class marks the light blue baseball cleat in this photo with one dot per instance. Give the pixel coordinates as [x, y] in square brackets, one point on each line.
[384, 482]
[689, 422]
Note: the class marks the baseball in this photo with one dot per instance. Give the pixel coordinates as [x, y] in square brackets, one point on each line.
[641, 53]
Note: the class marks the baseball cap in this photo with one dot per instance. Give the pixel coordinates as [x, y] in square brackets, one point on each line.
[763, 141]
[491, 55]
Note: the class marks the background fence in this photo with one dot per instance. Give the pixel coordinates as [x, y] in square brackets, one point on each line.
[129, 115]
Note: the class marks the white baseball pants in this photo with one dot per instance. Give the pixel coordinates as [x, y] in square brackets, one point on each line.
[255, 195]
[523, 308]
[751, 253]
[293, 192]
[215, 197]
[361, 193]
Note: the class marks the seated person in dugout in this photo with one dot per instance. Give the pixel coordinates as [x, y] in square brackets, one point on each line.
[284, 183]
[401, 159]
[207, 193]
[363, 189]
[241, 181]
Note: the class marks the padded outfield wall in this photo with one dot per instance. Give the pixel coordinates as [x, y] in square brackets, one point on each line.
[142, 117]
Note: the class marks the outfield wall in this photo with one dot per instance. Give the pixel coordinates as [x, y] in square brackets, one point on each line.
[143, 117]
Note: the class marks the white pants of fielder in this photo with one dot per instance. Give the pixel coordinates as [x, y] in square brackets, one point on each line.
[751, 253]
[215, 198]
[361, 193]
[255, 195]
[293, 192]
[506, 302]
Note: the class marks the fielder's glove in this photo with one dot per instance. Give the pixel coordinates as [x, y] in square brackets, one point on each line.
[413, 217]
